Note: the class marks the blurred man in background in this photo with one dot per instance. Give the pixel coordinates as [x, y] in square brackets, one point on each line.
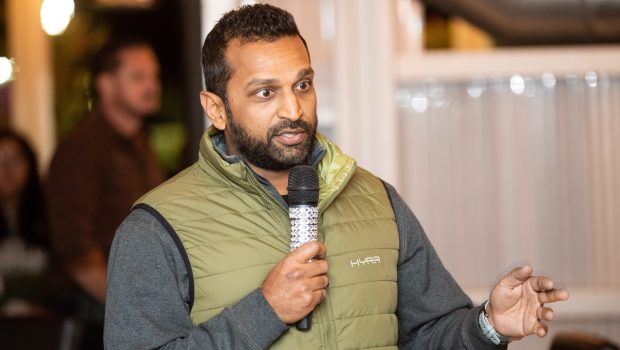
[101, 168]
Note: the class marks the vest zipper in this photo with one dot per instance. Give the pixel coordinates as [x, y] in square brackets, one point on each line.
[262, 192]
[322, 312]
[329, 337]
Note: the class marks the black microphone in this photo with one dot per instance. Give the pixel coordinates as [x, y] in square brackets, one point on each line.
[303, 197]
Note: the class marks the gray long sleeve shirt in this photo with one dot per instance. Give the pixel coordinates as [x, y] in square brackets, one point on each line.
[148, 304]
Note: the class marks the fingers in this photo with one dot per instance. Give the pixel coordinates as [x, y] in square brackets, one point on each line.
[310, 250]
[518, 276]
[536, 326]
[545, 291]
[541, 283]
[545, 314]
[540, 329]
[297, 283]
[316, 268]
[316, 289]
[306, 262]
[318, 296]
[553, 295]
[517, 303]
[542, 314]
[318, 286]
[319, 282]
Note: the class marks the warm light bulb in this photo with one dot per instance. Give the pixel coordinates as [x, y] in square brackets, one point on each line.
[7, 70]
[56, 15]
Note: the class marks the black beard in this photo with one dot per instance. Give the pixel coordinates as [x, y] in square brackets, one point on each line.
[265, 154]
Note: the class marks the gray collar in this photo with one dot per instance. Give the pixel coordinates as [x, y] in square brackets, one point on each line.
[219, 144]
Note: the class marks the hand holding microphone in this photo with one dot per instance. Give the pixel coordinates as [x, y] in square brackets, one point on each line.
[295, 287]
[297, 284]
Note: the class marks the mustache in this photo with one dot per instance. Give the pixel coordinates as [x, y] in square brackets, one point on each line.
[289, 124]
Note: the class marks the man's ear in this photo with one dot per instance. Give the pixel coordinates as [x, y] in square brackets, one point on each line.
[105, 84]
[214, 106]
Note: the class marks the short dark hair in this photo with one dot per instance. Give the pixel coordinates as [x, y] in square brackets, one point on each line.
[106, 60]
[32, 224]
[248, 23]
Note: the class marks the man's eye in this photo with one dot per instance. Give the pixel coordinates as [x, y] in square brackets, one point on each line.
[264, 93]
[304, 85]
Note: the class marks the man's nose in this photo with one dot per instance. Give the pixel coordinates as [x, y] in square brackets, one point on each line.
[290, 107]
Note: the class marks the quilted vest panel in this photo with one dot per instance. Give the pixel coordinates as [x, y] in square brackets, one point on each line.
[234, 232]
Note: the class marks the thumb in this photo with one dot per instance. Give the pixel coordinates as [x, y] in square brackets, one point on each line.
[517, 276]
[309, 251]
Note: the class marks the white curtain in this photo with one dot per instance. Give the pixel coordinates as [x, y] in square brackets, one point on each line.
[514, 170]
[505, 171]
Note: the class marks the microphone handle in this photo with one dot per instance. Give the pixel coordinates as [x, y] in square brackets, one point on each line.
[304, 220]
[305, 323]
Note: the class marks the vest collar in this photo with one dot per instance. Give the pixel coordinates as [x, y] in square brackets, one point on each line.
[335, 168]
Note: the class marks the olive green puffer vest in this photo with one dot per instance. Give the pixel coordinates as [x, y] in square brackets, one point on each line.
[234, 232]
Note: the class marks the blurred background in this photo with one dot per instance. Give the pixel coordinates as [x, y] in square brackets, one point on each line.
[498, 121]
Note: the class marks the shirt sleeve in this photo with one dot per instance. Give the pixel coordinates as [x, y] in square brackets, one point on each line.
[148, 298]
[433, 311]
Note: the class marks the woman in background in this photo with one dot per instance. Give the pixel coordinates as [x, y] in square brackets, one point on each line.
[24, 248]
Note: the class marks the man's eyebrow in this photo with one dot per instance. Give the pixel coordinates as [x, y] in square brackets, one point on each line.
[305, 72]
[270, 81]
[261, 82]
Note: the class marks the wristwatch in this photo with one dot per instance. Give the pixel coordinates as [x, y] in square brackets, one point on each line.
[487, 328]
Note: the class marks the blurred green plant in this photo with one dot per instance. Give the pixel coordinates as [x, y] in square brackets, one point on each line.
[73, 51]
[168, 140]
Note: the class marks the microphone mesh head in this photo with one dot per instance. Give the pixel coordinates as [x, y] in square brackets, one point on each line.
[303, 185]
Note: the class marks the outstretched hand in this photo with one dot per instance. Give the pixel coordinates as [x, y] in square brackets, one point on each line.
[517, 304]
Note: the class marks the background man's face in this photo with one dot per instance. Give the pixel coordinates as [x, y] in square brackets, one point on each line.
[136, 81]
[271, 117]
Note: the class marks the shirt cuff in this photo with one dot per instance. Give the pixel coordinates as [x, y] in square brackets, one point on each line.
[474, 333]
[257, 319]
[487, 328]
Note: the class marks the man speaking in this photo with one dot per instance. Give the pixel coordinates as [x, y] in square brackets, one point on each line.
[203, 261]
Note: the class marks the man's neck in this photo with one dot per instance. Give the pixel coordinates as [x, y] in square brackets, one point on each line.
[277, 178]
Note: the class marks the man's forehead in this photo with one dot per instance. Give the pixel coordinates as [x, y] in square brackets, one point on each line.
[241, 42]
[263, 56]
[237, 46]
